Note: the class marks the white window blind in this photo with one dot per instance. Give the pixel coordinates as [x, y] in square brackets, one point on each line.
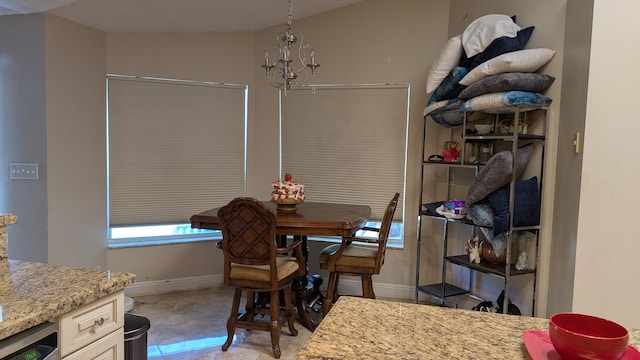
[175, 148]
[347, 143]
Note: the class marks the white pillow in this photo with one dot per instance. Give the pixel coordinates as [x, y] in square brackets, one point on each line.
[449, 57]
[527, 60]
[435, 106]
[483, 30]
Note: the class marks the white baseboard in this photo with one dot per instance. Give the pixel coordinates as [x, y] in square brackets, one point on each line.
[347, 286]
[382, 290]
[155, 287]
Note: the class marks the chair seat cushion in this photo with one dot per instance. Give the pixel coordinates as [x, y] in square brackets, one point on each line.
[287, 265]
[353, 255]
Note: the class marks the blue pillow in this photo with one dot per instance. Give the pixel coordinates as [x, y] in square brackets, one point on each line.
[449, 87]
[526, 205]
[498, 47]
[500, 99]
[481, 213]
[449, 115]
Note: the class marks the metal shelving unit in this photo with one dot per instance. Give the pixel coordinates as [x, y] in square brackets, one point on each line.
[442, 290]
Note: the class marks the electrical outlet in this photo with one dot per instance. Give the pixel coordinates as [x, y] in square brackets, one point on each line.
[21, 171]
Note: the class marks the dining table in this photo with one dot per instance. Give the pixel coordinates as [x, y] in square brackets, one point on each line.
[304, 220]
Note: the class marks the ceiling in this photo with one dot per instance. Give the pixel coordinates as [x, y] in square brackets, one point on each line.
[173, 15]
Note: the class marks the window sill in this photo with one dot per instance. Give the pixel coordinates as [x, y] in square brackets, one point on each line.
[391, 244]
[158, 242]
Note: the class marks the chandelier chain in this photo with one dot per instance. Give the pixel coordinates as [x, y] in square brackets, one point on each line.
[290, 17]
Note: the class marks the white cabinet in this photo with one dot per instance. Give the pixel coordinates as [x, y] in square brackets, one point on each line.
[94, 331]
[109, 347]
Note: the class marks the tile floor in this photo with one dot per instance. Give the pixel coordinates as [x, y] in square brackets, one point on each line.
[192, 325]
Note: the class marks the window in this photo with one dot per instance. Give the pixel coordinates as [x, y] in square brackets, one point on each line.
[348, 143]
[174, 148]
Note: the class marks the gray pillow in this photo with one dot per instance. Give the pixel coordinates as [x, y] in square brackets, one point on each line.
[497, 173]
[481, 213]
[510, 81]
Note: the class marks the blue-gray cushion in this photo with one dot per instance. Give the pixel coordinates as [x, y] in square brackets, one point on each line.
[497, 172]
[526, 205]
[481, 213]
[449, 115]
[531, 82]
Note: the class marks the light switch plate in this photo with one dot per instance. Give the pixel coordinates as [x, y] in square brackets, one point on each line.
[22, 171]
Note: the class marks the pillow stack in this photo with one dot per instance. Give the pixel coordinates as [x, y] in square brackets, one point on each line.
[487, 202]
[486, 67]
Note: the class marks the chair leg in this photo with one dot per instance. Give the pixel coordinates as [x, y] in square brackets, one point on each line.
[288, 305]
[367, 287]
[250, 307]
[275, 324]
[331, 290]
[231, 323]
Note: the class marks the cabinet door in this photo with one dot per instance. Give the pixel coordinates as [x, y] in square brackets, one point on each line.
[110, 347]
[91, 322]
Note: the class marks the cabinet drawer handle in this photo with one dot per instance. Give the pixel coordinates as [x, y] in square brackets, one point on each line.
[99, 322]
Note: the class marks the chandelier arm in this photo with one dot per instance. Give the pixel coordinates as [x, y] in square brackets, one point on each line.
[298, 69]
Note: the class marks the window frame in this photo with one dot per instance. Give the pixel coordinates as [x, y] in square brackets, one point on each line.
[196, 235]
[397, 226]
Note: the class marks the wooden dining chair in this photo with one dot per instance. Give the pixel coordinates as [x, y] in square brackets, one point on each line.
[253, 262]
[353, 257]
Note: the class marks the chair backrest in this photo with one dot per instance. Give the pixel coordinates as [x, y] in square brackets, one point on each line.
[385, 228]
[248, 233]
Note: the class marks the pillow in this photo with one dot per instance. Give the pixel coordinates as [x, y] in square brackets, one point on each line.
[531, 82]
[440, 104]
[498, 47]
[526, 205]
[449, 115]
[497, 172]
[483, 30]
[449, 88]
[527, 60]
[481, 213]
[446, 61]
[509, 98]
[499, 242]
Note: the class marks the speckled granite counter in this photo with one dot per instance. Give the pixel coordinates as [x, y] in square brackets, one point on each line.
[5, 219]
[359, 328]
[32, 293]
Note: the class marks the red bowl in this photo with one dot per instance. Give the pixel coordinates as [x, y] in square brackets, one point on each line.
[578, 336]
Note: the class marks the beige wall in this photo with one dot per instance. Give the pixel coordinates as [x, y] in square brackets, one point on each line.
[76, 156]
[575, 78]
[23, 131]
[607, 241]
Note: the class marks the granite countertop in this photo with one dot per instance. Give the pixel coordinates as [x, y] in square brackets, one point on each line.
[358, 328]
[5, 219]
[32, 293]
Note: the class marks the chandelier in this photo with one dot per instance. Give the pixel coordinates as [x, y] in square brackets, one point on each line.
[295, 62]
